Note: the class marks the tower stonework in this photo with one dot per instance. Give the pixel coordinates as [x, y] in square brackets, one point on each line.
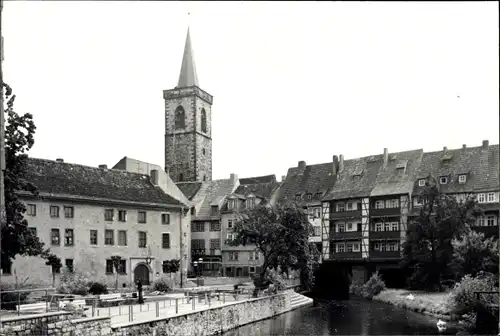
[188, 125]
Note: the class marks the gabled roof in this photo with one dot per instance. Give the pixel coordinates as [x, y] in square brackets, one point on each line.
[189, 188]
[216, 191]
[479, 164]
[398, 176]
[68, 179]
[263, 189]
[258, 179]
[356, 179]
[305, 179]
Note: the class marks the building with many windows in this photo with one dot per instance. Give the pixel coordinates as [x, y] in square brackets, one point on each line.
[86, 215]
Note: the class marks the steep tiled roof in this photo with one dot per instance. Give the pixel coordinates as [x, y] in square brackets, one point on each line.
[311, 179]
[398, 176]
[357, 178]
[263, 189]
[217, 190]
[481, 166]
[189, 188]
[60, 178]
[258, 179]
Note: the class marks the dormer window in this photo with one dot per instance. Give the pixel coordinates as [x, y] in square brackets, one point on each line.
[298, 197]
[250, 202]
[231, 204]
[443, 180]
[309, 197]
[318, 195]
[421, 183]
[462, 178]
[215, 210]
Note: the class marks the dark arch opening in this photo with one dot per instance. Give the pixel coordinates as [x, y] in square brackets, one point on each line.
[180, 117]
[203, 120]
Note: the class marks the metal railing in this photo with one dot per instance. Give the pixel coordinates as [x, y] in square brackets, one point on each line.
[23, 300]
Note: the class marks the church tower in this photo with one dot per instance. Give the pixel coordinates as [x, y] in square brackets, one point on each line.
[188, 125]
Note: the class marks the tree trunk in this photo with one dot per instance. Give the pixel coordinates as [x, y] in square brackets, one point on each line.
[116, 284]
[53, 279]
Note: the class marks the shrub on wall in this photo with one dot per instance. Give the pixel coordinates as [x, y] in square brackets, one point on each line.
[162, 285]
[462, 299]
[73, 283]
[277, 283]
[97, 288]
[373, 286]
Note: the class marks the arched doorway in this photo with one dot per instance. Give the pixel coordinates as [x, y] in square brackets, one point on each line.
[141, 272]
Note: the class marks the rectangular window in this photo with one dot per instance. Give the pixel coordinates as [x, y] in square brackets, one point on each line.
[340, 207]
[230, 204]
[109, 215]
[250, 255]
[142, 239]
[229, 224]
[122, 266]
[379, 204]
[215, 244]
[141, 217]
[317, 231]
[55, 237]
[491, 197]
[490, 220]
[340, 248]
[378, 227]
[251, 202]
[382, 246]
[481, 198]
[32, 231]
[387, 226]
[235, 254]
[251, 269]
[198, 227]
[69, 236]
[349, 226]
[421, 183]
[165, 218]
[462, 178]
[443, 180]
[93, 237]
[54, 211]
[355, 247]
[359, 226]
[69, 265]
[109, 237]
[122, 215]
[122, 238]
[214, 226]
[109, 266]
[376, 246]
[395, 226]
[31, 210]
[480, 221]
[349, 206]
[342, 227]
[349, 247]
[392, 203]
[69, 212]
[165, 240]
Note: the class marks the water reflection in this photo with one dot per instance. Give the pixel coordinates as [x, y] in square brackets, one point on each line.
[353, 317]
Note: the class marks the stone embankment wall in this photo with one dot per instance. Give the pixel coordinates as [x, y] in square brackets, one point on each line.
[200, 323]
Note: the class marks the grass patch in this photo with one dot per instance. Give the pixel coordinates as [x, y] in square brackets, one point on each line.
[423, 302]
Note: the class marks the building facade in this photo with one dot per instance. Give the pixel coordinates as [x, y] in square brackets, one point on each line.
[86, 215]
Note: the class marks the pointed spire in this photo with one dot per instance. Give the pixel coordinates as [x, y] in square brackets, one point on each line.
[188, 75]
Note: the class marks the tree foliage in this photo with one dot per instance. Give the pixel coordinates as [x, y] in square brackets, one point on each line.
[473, 254]
[428, 249]
[280, 233]
[116, 265]
[171, 266]
[19, 139]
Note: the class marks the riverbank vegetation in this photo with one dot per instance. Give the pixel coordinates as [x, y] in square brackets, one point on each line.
[281, 234]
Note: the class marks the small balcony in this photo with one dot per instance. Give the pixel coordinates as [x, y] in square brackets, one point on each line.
[385, 234]
[345, 255]
[345, 214]
[385, 255]
[198, 252]
[345, 235]
[385, 212]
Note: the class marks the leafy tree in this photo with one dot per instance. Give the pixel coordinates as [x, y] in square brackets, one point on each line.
[55, 263]
[116, 265]
[281, 234]
[473, 254]
[428, 249]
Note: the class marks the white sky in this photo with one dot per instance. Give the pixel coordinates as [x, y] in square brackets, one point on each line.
[291, 81]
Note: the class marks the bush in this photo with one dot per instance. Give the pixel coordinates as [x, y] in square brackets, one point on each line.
[276, 280]
[462, 299]
[73, 283]
[373, 286]
[162, 285]
[10, 300]
[97, 288]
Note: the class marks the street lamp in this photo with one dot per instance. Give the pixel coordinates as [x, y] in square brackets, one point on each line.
[148, 257]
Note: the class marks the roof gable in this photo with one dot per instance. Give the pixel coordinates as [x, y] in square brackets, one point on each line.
[311, 179]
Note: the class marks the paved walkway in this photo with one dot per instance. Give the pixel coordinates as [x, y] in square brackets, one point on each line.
[166, 308]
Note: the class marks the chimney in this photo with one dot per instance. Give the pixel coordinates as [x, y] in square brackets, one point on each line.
[283, 178]
[486, 143]
[445, 149]
[464, 146]
[154, 176]
[302, 164]
[341, 163]
[335, 165]
[103, 166]
[233, 178]
[386, 157]
[60, 160]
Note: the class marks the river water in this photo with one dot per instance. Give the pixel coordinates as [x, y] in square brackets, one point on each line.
[350, 317]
